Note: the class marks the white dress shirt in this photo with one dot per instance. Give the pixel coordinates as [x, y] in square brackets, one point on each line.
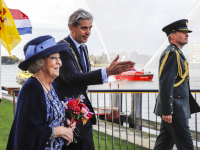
[103, 70]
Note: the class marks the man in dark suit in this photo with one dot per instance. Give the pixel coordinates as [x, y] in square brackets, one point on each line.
[175, 104]
[75, 73]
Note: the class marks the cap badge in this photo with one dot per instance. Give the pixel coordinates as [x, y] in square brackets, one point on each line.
[186, 23]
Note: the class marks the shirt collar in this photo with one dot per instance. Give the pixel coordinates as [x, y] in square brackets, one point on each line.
[75, 42]
[179, 48]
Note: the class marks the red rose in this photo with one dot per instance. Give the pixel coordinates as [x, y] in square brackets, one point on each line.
[76, 109]
[82, 105]
[70, 103]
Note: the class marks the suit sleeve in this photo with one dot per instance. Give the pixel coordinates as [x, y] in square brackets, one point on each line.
[166, 83]
[70, 74]
[29, 131]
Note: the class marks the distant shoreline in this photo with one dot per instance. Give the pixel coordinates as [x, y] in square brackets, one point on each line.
[101, 65]
[137, 65]
[10, 64]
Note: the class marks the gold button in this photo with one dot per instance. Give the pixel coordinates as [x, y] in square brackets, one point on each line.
[171, 112]
[179, 96]
[171, 96]
[171, 104]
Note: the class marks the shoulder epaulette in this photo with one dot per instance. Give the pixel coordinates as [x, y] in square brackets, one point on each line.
[163, 62]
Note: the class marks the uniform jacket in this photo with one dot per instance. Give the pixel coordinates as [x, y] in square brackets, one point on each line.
[29, 129]
[174, 97]
[72, 81]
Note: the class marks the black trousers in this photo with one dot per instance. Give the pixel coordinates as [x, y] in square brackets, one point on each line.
[177, 132]
[84, 137]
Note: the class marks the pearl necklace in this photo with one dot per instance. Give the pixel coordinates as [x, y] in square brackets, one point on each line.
[48, 94]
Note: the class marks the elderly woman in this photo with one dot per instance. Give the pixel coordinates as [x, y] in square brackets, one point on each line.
[39, 123]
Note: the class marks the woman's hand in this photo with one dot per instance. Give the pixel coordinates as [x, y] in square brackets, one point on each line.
[73, 125]
[65, 133]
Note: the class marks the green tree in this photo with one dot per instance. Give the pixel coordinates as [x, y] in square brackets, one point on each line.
[4, 59]
[20, 60]
[9, 59]
[93, 58]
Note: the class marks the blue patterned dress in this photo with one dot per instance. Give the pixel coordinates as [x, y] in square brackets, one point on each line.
[55, 117]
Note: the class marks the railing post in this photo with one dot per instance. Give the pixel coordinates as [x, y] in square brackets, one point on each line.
[135, 109]
[117, 106]
[14, 93]
[117, 100]
[14, 102]
[105, 121]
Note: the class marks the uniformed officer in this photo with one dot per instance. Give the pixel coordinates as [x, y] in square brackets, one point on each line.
[174, 103]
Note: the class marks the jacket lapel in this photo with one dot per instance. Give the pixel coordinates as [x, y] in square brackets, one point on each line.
[72, 45]
[180, 52]
[182, 55]
[86, 57]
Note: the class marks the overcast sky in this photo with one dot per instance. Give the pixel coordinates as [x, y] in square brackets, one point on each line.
[124, 25]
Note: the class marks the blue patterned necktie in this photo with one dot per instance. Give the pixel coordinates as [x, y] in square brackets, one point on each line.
[84, 65]
[82, 57]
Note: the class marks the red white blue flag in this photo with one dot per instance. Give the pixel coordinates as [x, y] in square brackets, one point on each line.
[22, 21]
[133, 69]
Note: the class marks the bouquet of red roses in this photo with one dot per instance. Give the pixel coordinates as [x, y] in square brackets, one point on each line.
[77, 110]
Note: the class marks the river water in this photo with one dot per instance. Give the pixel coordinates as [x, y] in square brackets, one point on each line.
[9, 73]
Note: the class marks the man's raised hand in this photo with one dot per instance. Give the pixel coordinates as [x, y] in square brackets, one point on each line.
[119, 67]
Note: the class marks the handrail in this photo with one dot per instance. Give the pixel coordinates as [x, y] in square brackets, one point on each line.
[133, 91]
[119, 90]
[16, 91]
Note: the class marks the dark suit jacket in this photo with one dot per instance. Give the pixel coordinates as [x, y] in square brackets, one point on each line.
[71, 82]
[175, 101]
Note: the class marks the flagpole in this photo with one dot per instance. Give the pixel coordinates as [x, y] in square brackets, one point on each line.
[0, 73]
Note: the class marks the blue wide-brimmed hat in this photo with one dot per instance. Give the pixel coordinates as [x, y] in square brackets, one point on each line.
[41, 47]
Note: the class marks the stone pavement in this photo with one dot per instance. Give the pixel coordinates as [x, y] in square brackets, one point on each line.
[130, 132]
[8, 97]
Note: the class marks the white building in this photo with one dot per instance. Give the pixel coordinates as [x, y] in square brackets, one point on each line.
[194, 53]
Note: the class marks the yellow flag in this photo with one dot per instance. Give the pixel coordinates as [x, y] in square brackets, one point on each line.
[8, 32]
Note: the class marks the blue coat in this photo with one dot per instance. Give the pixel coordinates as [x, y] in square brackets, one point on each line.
[29, 130]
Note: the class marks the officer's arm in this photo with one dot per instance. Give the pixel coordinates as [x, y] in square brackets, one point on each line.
[166, 83]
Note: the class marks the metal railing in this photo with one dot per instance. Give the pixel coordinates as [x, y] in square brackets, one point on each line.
[135, 124]
[139, 122]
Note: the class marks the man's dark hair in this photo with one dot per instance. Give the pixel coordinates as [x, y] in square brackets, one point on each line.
[76, 16]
